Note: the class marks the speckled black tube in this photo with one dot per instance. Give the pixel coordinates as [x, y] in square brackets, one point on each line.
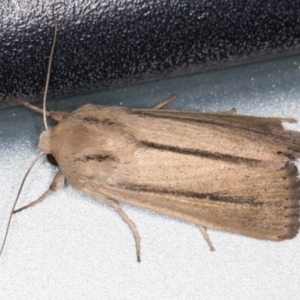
[109, 43]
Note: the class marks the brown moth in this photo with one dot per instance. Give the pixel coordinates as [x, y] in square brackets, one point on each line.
[218, 170]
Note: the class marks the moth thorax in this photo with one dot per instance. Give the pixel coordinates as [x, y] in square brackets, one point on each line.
[45, 141]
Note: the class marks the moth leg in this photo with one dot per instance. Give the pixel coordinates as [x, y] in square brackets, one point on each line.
[165, 102]
[57, 183]
[206, 237]
[54, 115]
[114, 204]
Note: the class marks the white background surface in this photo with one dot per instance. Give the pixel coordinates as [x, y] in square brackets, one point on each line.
[72, 247]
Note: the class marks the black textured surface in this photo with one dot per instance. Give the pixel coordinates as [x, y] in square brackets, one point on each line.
[109, 43]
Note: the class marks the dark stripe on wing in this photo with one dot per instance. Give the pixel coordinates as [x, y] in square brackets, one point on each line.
[200, 153]
[188, 194]
[95, 157]
[94, 120]
[91, 120]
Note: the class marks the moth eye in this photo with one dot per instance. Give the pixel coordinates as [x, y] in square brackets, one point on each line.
[52, 160]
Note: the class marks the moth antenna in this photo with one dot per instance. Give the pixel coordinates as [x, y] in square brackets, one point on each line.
[50, 62]
[15, 203]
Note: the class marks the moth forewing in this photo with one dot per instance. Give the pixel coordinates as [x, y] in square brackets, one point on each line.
[214, 170]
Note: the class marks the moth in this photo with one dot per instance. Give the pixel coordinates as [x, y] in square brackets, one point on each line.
[218, 170]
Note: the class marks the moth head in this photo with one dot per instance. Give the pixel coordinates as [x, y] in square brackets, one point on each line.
[45, 145]
[45, 141]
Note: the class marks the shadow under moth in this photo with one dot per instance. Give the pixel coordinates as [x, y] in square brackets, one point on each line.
[217, 170]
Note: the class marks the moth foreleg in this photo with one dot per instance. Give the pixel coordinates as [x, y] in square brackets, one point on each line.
[57, 183]
[165, 102]
[114, 204]
[54, 115]
[27, 104]
[206, 237]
